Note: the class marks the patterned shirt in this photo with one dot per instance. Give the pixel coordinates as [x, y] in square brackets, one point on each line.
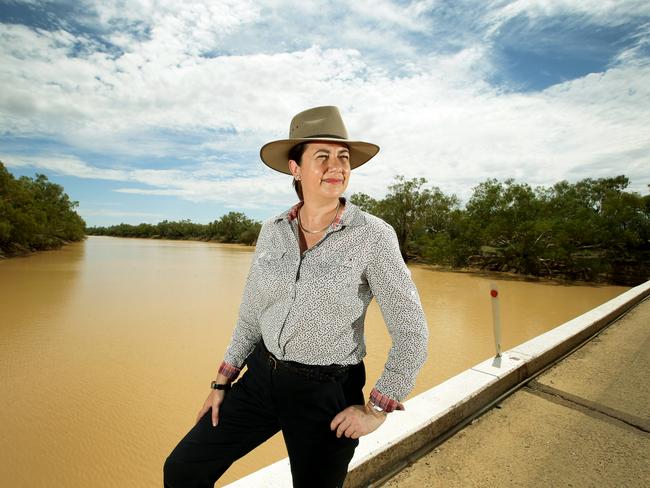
[310, 307]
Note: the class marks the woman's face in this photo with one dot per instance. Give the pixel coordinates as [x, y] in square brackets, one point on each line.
[324, 171]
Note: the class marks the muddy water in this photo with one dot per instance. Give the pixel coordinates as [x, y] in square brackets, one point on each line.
[107, 348]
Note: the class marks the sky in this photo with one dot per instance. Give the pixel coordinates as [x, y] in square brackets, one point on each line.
[149, 110]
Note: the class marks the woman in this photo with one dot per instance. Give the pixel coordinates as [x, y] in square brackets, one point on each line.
[315, 269]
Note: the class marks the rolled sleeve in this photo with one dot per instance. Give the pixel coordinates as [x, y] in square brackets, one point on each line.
[229, 371]
[391, 284]
[386, 403]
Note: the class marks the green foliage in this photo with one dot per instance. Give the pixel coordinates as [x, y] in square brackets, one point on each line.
[230, 227]
[35, 214]
[249, 235]
[364, 202]
[416, 213]
[509, 219]
[591, 230]
[233, 227]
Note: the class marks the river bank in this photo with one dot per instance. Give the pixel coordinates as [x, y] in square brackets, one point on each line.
[474, 271]
[15, 250]
[510, 276]
[640, 276]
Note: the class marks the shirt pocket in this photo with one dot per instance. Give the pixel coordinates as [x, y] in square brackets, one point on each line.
[337, 270]
[271, 270]
[271, 255]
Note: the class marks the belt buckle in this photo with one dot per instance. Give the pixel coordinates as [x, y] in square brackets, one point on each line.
[273, 362]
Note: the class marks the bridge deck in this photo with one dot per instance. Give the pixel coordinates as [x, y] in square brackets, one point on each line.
[584, 422]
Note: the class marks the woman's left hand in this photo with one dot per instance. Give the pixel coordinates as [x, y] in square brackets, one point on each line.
[357, 420]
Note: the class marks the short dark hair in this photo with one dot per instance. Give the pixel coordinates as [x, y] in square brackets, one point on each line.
[295, 154]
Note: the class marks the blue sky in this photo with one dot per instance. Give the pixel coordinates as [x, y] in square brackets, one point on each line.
[147, 111]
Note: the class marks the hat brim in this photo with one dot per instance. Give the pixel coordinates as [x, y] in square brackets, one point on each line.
[275, 154]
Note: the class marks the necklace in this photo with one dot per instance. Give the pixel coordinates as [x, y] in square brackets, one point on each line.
[324, 229]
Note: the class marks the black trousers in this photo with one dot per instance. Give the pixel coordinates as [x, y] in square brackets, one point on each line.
[264, 401]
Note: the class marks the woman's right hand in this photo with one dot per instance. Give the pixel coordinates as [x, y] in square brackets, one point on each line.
[214, 401]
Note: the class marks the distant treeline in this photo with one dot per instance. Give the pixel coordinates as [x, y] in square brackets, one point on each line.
[590, 230]
[35, 214]
[233, 227]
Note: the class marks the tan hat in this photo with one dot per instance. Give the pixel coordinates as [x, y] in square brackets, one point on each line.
[316, 124]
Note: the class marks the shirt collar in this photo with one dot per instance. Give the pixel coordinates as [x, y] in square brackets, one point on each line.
[350, 217]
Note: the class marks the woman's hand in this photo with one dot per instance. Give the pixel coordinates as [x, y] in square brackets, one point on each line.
[214, 400]
[357, 420]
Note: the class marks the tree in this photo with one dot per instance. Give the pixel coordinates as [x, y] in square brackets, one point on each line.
[35, 214]
[364, 202]
[404, 208]
[230, 227]
[508, 221]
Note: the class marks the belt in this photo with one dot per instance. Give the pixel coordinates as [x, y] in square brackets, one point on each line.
[321, 374]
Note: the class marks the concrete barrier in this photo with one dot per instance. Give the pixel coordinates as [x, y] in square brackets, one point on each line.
[433, 413]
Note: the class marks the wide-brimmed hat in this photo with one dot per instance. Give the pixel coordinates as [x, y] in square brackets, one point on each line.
[312, 125]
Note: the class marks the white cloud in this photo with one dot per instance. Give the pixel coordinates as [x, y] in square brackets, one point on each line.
[64, 165]
[98, 101]
[455, 136]
[174, 27]
[602, 12]
[203, 183]
[248, 192]
[637, 53]
[436, 116]
[407, 17]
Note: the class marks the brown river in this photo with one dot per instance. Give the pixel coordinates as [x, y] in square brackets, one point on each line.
[107, 348]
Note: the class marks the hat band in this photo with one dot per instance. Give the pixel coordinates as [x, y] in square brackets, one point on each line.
[329, 136]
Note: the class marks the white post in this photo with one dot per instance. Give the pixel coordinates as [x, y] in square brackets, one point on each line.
[496, 317]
